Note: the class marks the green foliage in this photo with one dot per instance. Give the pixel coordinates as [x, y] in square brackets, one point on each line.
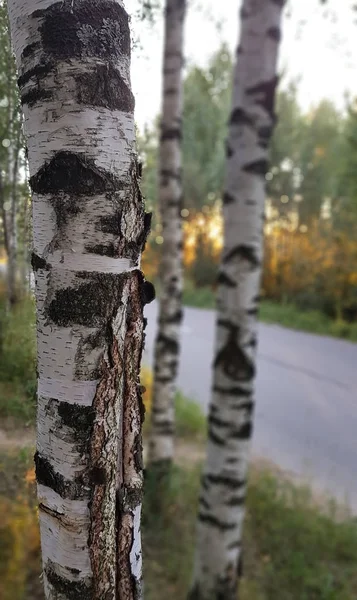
[202, 297]
[306, 553]
[203, 270]
[294, 548]
[18, 360]
[190, 422]
[207, 98]
[291, 549]
[286, 314]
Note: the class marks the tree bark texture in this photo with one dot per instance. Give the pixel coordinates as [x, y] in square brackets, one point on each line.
[89, 229]
[10, 157]
[218, 560]
[170, 199]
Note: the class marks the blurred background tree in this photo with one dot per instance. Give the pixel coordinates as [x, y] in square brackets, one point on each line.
[311, 206]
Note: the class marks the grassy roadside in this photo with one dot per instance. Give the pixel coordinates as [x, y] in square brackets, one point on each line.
[287, 315]
[292, 551]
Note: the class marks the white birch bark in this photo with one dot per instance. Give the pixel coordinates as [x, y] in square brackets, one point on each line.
[218, 559]
[89, 228]
[167, 345]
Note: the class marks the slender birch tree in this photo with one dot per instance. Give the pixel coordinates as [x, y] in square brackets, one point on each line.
[223, 488]
[89, 227]
[11, 156]
[167, 345]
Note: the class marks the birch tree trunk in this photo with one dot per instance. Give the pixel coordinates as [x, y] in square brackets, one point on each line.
[170, 200]
[89, 228]
[218, 560]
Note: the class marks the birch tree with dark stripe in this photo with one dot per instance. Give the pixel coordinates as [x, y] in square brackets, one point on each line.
[170, 200]
[73, 61]
[218, 559]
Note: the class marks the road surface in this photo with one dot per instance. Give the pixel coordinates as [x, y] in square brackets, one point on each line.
[306, 416]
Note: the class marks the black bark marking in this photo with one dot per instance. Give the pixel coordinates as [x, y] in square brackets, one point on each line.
[175, 318]
[168, 344]
[240, 117]
[232, 391]
[228, 198]
[216, 421]
[244, 13]
[46, 475]
[142, 239]
[111, 223]
[225, 323]
[67, 588]
[138, 453]
[103, 249]
[240, 567]
[72, 174]
[163, 380]
[171, 91]
[233, 361]
[90, 29]
[146, 230]
[251, 202]
[214, 522]
[257, 167]
[38, 72]
[167, 174]
[148, 293]
[80, 419]
[35, 95]
[229, 150]
[252, 312]
[97, 476]
[243, 252]
[104, 86]
[142, 407]
[204, 502]
[243, 433]
[229, 482]
[236, 501]
[265, 93]
[215, 438]
[171, 133]
[274, 33]
[264, 135]
[164, 428]
[39, 263]
[253, 342]
[90, 303]
[224, 279]
[30, 49]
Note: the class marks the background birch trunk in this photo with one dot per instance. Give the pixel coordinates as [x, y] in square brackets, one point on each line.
[167, 346]
[223, 488]
[89, 228]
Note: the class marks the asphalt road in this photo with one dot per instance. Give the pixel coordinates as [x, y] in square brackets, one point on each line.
[306, 416]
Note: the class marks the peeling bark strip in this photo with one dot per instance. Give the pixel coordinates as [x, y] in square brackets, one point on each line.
[218, 558]
[73, 61]
[167, 345]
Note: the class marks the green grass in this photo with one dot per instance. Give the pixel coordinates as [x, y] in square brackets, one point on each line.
[287, 315]
[313, 321]
[291, 550]
[190, 421]
[203, 297]
[17, 361]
